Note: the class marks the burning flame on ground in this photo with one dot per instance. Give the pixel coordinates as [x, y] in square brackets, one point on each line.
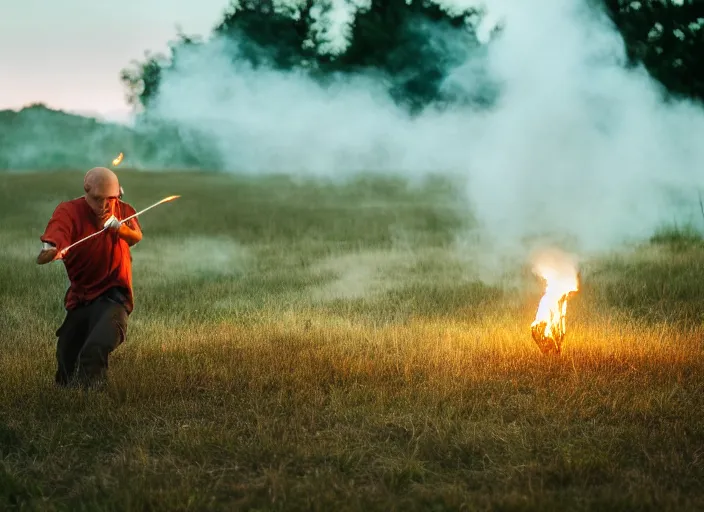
[118, 160]
[562, 281]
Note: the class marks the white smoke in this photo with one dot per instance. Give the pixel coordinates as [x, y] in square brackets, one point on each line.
[333, 24]
[575, 147]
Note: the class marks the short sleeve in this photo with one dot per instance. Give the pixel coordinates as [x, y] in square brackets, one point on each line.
[60, 228]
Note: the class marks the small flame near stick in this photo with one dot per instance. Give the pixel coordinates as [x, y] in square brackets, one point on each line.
[559, 270]
[118, 160]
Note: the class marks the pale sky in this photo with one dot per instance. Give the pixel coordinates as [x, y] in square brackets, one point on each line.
[69, 53]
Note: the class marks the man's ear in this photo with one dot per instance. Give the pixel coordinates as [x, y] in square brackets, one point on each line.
[122, 192]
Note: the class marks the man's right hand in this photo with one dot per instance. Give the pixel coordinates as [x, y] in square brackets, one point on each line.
[112, 223]
[49, 255]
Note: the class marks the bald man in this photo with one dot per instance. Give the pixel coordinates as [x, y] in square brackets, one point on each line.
[99, 298]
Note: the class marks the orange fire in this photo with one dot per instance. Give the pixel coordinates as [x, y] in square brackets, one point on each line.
[561, 282]
[118, 160]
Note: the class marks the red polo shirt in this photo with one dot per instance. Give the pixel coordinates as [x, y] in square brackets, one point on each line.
[98, 264]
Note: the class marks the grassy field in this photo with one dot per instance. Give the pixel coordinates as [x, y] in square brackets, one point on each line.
[309, 345]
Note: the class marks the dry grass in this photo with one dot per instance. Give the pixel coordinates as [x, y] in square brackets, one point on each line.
[327, 348]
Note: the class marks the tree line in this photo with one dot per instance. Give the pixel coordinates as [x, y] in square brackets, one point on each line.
[389, 40]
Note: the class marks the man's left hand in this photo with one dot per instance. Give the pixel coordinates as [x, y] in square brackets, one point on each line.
[112, 223]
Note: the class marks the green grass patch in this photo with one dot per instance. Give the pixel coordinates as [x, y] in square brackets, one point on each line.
[325, 345]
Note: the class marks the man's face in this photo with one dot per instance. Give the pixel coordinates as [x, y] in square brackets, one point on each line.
[102, 199]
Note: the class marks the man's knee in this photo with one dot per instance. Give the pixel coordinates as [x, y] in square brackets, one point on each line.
[109, 325]
[108, 333]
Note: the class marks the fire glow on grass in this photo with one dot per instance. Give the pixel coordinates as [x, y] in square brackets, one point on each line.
[561, 282]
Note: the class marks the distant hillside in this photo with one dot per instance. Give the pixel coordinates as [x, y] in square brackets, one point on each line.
[37, 137]
[40, 138]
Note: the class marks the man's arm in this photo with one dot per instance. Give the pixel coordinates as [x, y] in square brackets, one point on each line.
[58, 233]
[129, 231]
[129, 234]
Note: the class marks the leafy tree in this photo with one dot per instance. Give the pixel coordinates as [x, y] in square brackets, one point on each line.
[409, 46]
[667, 37]
[267, 35]
[390, 40]
[143, 79]
[414, 44]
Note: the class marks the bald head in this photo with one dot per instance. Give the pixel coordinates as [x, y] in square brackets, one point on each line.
[101, 187]
[101, 181]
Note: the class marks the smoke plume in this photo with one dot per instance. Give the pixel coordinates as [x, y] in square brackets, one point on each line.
[576, 147]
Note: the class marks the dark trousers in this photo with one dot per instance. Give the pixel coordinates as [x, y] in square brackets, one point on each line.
[86, 338]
